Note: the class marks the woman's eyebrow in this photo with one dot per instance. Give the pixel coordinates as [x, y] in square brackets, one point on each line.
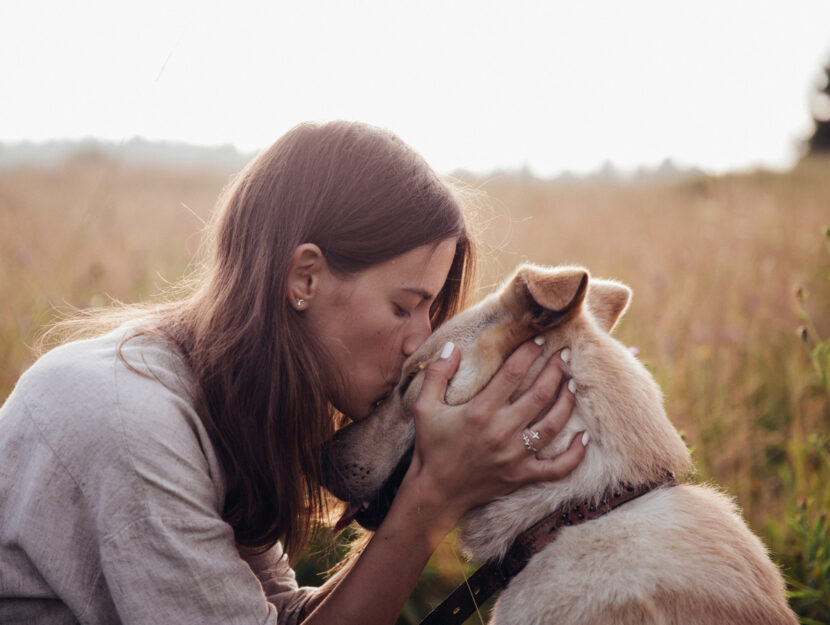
[417, 291]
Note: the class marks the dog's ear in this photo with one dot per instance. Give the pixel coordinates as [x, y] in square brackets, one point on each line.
[546, 296]
[608, 301]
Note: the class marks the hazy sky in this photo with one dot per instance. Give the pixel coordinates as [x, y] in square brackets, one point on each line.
[720, 84]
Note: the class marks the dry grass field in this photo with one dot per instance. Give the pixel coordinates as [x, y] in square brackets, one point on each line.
[731, 308]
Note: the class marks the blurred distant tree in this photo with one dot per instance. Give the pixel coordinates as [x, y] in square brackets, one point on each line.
[820, 141]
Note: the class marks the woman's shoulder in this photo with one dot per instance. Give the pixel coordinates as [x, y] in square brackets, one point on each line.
[113, 369]
[108, 395]
[115, 409]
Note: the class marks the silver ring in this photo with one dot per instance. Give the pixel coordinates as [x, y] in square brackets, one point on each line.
[528, 440]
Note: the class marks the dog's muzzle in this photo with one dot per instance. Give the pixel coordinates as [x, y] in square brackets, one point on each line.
[371, 516]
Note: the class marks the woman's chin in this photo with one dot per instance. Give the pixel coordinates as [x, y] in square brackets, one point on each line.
[359, 410]
[356, 412]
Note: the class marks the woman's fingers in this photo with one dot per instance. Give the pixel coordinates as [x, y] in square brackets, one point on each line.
[552, 382]
[558, 467]
[507, 379]
[545, 429]
[474, 453]
[438, 375]
[539, 397]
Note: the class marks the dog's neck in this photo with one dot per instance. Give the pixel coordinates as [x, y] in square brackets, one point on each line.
[496, 574]
[632, 441]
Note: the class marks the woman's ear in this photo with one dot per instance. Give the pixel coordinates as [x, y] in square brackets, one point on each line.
[304, 275]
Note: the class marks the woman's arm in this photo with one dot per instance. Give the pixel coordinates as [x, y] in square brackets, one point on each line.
[452, 471]
[375, 585]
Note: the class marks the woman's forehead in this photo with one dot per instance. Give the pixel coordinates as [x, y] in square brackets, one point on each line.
[422, 270]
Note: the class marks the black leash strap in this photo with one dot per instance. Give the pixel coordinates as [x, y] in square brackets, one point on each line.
[466, 599]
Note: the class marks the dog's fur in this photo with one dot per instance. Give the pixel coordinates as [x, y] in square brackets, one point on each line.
[677, 555]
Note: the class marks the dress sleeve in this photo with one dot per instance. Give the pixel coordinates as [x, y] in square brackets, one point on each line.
[160, 570]
[279, 583]
[154, 491]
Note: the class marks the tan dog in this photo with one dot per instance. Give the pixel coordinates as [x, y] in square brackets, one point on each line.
[677, 555]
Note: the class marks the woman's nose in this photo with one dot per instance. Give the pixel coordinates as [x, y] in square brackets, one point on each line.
[419, 331]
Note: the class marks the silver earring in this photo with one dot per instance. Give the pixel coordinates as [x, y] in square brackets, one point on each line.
[300, 302]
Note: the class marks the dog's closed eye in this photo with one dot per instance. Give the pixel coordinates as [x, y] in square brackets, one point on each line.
[409, 377]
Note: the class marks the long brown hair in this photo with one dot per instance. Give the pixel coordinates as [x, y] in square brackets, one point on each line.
[363, 196]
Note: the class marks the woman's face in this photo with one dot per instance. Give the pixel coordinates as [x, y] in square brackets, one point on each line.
[372, 321]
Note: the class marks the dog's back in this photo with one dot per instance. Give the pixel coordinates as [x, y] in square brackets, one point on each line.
[678, 555]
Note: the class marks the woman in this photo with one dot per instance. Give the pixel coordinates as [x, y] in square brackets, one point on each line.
[148, 473]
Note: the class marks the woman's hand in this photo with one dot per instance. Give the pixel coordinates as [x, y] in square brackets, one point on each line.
[465, 456]
[474, 452]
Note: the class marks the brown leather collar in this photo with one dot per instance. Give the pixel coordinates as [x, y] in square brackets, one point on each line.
[494, 575]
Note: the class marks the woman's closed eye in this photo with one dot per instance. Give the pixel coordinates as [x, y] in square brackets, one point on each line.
[400, 311]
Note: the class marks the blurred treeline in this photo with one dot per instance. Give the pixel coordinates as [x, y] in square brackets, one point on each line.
[731, 308]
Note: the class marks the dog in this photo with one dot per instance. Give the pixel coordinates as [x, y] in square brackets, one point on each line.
[679, 554]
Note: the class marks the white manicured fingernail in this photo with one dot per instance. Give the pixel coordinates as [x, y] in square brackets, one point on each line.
[539, 340]
[448, 347]
[572, 386]
[565, 355]
[585, 438]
